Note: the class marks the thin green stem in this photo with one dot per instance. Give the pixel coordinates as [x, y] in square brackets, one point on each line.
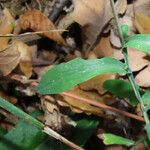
[129, 72]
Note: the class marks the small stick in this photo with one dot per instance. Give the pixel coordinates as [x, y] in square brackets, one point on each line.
[104, 106]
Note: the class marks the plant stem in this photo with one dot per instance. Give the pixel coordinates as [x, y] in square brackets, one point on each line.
[129, 72]
[21, 114]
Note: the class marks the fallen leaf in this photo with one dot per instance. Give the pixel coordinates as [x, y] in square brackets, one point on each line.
[141, 59]
[25, 57]
[96, 83]
[81, 106]
[6, 27]
[16, 53]
[142, 23]
[9, 59]
[142, 78]
[37, 21]
[104, 48]
[93, 16]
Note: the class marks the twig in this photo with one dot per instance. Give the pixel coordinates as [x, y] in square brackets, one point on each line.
[30, 33]
[129, 72]
[21, 114]
[103, 106]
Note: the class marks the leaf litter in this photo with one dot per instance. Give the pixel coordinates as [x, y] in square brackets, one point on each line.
[28, 58]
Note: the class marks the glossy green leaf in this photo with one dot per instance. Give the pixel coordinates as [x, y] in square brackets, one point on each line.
[121, 89]
[146, 99]
[65, 76]
[140, 42]
[110, 139]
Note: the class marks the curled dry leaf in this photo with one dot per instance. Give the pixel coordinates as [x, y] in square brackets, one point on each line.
[6, 27]
[37, 21]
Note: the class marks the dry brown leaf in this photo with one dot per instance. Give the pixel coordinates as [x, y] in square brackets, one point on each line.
[90, 16]
[74, 104]
[96, 83]
[25, 57]
[137, 59]
[9, 59]
[6, 27]
[37, 21]
[142, 23]
[143, 77]
[138, 7]
[141, 59]
[121, 6]
[17, 53]
[117, 54]
[93, 16]
[104, 48]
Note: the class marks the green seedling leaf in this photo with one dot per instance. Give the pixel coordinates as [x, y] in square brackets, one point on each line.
[140, 42]
[110, 139]
[121, 89]
[125, 30]
[146, 99]
[65, 76]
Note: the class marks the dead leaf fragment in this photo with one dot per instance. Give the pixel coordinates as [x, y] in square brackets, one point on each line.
[81, 106]
[9, 59]
[25, 58]
[104, 48]
[6, 27]
[141, 59]
[96, 83]
[142, 23]
[143, 77]
[90, 16]
[37, 21]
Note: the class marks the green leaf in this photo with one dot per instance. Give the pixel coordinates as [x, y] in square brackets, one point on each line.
[23, 137]
[122, 89]
[125, 30]
[110, 139]
[140, 42]
[65, 76]
[84, 129]
[146, 99]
